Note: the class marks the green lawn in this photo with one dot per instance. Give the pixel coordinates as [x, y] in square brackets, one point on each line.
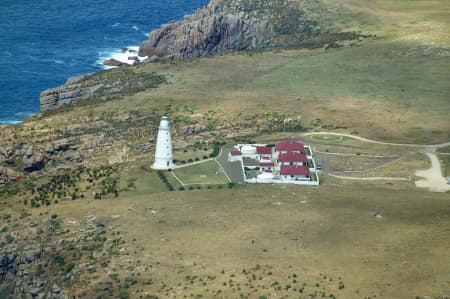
[143, 180]
[203, 173]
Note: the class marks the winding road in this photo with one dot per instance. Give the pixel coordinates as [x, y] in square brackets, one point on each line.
[432, 177]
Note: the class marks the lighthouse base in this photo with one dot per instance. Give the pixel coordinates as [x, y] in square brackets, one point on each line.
[162, 165]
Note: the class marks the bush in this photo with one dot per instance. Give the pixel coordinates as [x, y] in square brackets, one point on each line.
[40, 271]
[59, 259]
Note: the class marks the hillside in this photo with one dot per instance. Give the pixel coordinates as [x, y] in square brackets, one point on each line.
[83, 213]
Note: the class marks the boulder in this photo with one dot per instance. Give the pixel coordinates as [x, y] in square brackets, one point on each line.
[113, 62]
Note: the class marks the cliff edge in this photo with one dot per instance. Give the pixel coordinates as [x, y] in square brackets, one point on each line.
[222, 26]
[234, 25]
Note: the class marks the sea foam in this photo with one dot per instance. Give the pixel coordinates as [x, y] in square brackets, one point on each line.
[119, 55]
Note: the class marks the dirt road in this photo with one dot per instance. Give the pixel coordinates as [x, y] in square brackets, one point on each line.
[432, 177]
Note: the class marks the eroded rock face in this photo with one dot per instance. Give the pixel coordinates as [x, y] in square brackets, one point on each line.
[98, 84]
[76, 88]
[226, 26]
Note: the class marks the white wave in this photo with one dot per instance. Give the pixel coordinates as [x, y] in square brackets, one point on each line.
[135, 28]
[9, 121]
[115, 25]
[58, 61]
[17, 118]
[119, 55]
[24, 114]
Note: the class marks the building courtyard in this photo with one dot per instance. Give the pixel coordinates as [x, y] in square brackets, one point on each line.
[286, 162]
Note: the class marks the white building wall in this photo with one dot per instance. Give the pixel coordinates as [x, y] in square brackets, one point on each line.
[232, 158]
[293, 163]
[297, 177]
[163, 154]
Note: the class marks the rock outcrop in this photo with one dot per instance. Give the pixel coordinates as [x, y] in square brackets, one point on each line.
[119, 80]
[234, 25]
[76, 88]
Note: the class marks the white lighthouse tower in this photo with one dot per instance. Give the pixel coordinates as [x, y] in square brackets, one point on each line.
[163, 154]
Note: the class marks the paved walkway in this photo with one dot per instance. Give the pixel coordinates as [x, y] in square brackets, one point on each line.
[192, 163]
[232, 169]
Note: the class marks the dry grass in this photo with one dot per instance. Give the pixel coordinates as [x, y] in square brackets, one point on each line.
[312, 232]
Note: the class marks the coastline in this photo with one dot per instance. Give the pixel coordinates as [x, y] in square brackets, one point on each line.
[58, 58]
[116, 58]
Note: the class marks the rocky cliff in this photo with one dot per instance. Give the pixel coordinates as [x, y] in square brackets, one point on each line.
[233, 25]
[222, 26]
[76, 88]
[92, 86]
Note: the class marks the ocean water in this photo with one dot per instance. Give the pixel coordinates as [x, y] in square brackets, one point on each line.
[44, 42]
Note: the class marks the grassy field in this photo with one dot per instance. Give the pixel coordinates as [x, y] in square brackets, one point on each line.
[141, 179]
[267, 241]
[403, 168]
[275, 241]
[207, 173]
[445, 164]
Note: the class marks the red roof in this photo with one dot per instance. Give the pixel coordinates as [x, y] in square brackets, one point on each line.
[236, 153]
[292, 157]
[265, 164]
[263, 150]
[294, 170]
[290, 146]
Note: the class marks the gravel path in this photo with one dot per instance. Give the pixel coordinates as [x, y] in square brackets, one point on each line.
[377, 142]
[367, 179]
[432, 177]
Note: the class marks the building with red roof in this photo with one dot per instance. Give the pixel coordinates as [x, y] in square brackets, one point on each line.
[234, 156]
[264, 152]
[263, 166]
[293, 158]
[236, 153]
[290, 146]
[294, 172]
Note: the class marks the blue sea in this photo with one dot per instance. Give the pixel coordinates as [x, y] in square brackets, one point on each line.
[44, 42]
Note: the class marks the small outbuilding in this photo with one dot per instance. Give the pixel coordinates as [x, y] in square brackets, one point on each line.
[248, 150]
[234, 156]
